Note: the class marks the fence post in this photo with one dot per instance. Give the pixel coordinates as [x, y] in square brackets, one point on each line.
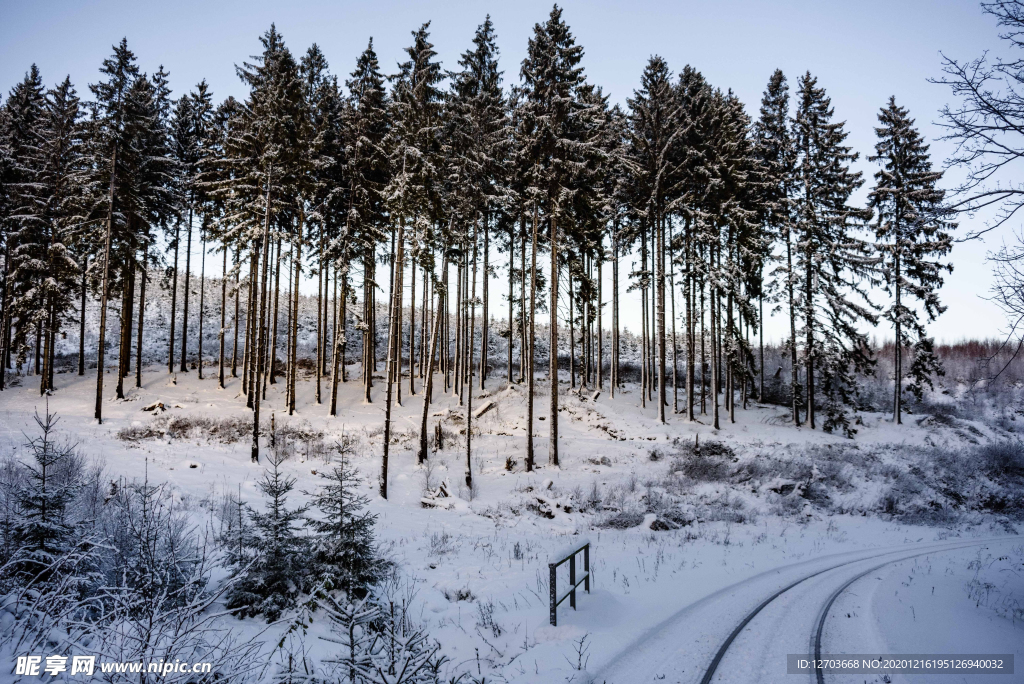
[572, 581]
[586, 567]
[554, 595]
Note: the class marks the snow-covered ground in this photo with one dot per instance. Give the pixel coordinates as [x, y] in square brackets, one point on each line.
[675, 513]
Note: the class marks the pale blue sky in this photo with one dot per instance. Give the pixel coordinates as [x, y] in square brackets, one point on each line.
[862, 52]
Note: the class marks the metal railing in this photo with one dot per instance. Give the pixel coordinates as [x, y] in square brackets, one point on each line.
[568, 555]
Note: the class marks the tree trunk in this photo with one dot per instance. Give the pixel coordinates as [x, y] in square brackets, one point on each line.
[392, 328]
[223, 318]
[675, 342]
[469, 366]
[103, 293]
[760, 344]
[809, 350]
[142, 310]
[485, 310]
[184, 313]
[794, 385]
[259, 327]
[428, 382]
[81, 323]
[553, 345]
[662, 338]
[531, 375]
[202, 297]
[277, 298]
[234, 321]
[412, 325]
[897, 405]
[691, 328]
[174, 297]
[615, 309]
[294, 331]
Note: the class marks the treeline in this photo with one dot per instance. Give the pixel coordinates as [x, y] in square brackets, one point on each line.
[424, 176]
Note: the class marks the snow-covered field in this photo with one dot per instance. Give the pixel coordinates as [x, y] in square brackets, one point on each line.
[675, 514]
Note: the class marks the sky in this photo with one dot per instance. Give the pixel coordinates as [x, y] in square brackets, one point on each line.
[862, 52]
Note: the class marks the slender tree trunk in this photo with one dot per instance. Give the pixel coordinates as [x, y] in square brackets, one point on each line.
[675, 342]
[691, 355]
[412, 325]
[81, 323]
[572, 333]
[174, 297]
[250, 322]
[553, 346]
[259, 327]
[103, 293]
[321, 323]
[428, 381]
[715, 351]
[234, 321]
[142, 310]
[794, 384]
[44, 378]
[394, 310]
[469, 366]
[202, 297]
[188, 273]
[615, 309]
[644, 377]
[485, 313]
[531, 375]
[277, 298]
[662, 337]
[809, 350]
[223, 318]
[511, 314]
[338, 357]
[294, 332]
[760, 344]
[897, 404]
[600, 327]
[5, 319]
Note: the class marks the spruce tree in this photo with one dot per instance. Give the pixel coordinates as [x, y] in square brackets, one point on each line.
[279, 571]
[834, 263]
[343, 553]
[109, 143]
[912, 235]
[552, 78]
[25, 229]
[776, 156]
[654, 132]
[43, 271]
[45, 529]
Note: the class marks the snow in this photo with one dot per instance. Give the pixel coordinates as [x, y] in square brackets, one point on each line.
[475, 574]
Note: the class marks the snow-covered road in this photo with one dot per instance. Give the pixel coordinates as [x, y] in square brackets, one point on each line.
[743, 633]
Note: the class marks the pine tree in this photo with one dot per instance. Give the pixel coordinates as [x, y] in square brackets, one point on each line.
[368, 174]
[777, 156]
[279, 572]
[45, 529]
[108, 144]
[653, 134]
[833, 262]
[44, 273]
[912, 232]
[26, 229]
[343, 553]
[552, 78]
[259, 173]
